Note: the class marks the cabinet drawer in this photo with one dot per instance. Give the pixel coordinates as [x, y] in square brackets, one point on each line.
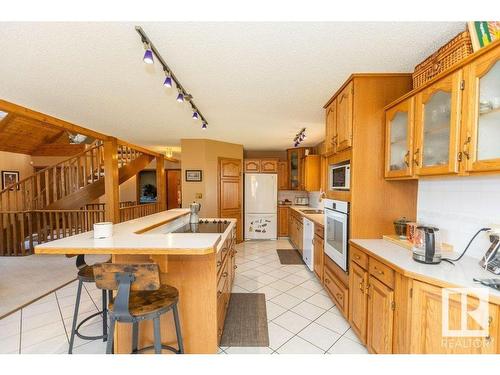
[381, 272]
[319, 230]
[223, 275]
[359, 257]
[338, 292]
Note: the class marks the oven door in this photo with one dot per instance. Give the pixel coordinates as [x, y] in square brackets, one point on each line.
[336, 237]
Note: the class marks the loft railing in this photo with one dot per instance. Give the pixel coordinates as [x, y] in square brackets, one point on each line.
[138, 210]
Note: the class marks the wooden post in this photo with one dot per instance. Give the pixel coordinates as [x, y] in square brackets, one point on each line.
[161, 183]
[111, 181]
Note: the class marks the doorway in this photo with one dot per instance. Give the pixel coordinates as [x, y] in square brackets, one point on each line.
[230, 191]
[174, 194]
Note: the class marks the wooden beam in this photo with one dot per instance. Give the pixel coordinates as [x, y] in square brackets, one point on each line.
[58, 149]
[12, 108]
[111, 180]
[161, 183]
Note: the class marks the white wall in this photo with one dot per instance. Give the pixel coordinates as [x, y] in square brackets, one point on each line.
[459, 206]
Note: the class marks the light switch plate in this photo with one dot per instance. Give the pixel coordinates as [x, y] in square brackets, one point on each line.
[198, 196]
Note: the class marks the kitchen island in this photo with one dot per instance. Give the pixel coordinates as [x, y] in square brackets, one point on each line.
[200, 265]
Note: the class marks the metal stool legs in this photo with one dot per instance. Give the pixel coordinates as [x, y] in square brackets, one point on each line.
[178, 329]
[75, 327]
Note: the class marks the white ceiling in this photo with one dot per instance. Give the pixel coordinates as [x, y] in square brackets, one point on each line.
[256, 83]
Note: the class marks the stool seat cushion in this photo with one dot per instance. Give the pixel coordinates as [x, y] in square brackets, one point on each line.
[147, 302]
[86, 274]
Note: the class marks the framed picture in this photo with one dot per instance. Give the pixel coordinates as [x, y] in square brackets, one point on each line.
[193, 175]
[9, 178]
[483, 33]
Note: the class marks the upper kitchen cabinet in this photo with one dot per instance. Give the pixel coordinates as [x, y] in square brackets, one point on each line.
[343, 135]
[399, 127]
[252, 165]
[480, 142]
[331, 127]
[437, 117]
[261, 165]
[283, 181]
[311, 175]
[296, 167]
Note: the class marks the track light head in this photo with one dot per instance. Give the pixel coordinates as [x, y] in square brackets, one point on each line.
[168, 82]
[148, 55]
[195, 115]
[180, 97]
[204, 126]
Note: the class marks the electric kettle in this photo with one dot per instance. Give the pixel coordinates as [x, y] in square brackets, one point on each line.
[195, 209]
[427, 246]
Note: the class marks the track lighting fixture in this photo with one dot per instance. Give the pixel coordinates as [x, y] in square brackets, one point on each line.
[170, 77]
[299, 137]
[148, 55]
[168, 80]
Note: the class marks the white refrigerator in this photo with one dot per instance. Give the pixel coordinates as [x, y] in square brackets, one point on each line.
[261, 206]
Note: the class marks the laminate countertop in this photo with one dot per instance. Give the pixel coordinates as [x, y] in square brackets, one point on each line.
[460, 275]
[146, 235]
[316, 218]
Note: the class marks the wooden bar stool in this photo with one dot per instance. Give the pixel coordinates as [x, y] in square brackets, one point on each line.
[86, 275]
[140, 296]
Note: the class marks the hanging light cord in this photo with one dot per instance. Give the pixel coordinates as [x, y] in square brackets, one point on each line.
[467, 247]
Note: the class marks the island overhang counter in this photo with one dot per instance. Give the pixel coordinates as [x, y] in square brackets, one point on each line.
[200, 265]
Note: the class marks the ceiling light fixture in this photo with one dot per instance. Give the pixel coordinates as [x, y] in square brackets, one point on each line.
[170, 77]
[148, 55]
[299, 137]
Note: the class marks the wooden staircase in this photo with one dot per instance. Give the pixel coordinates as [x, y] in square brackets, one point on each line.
[54, 202]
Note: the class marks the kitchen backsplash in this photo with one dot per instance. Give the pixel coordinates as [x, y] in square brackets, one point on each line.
[291, 194]
[459, 206]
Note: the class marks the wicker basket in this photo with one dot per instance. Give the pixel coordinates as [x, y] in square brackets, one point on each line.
[443, 59]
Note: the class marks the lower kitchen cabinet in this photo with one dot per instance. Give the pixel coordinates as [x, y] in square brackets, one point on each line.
[335, 282]
[318, 256]
[283, 219]
[393, 313]
[295, 230]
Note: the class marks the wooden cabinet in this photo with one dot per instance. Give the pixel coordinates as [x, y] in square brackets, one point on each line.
[358, 300]
[455, 119]
[296, 167]
[399, 130]
[283, 219]
[295, 230]
[283, 180]
[480, 149]
[318, 255]
[331, 127]
[311, 174]
[252, 166]
[380, 317]
[268, 166]
[343, 136]
[225, 266]
[427, 324]
[437, 121]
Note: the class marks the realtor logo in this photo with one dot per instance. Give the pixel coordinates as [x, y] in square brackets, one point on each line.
[477, 314]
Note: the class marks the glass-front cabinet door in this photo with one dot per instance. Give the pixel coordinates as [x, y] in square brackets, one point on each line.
[481, 142]
[437, 118]
[399, 140]
[294, 168]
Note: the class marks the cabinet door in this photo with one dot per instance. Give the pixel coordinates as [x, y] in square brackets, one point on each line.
[380, 317]
[283, 175]
[283, 221]
[331, 127]
[294, 168]
[343, 136]
[312, 173]
[358, 279]
[399, 140]
[318, 256]
[252, 166]
[300, 239]
[427, 323]
[269, 166]
[437, 117]
[481, 147]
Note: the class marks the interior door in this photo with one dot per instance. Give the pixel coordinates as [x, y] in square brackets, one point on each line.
[437, 116]
[230, 192]
[174, 198]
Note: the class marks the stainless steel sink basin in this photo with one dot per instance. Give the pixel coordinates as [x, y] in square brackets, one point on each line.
[312, 211]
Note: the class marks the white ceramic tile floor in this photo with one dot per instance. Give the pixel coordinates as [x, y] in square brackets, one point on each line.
[301, 317]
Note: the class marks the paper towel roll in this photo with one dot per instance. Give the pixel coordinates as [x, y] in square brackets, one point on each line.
[103, 230]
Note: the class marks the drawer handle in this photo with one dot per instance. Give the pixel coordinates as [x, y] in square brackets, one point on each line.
[361, 287]
[357, 257]
[224, 274]
[219, 293]
[379, 272]
[219, 263]
[339, 296]
[327, 281]
[235, 266]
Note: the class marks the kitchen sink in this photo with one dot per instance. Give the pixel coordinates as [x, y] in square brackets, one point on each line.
[312, 211]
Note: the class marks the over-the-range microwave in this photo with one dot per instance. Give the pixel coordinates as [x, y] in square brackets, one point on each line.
[340, 176]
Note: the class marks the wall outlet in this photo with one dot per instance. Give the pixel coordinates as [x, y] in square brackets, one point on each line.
[198, 196]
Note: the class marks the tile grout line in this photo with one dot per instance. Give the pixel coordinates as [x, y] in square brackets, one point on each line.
[62, 318]
[20, 330]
